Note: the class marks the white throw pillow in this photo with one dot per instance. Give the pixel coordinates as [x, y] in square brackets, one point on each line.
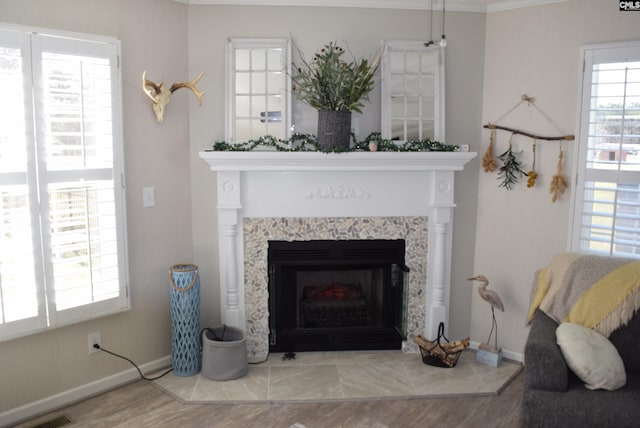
[591, 356]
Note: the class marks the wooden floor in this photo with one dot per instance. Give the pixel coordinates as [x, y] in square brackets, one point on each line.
[141, 404]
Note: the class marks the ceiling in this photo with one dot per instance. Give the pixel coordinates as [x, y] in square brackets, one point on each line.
[451, 5]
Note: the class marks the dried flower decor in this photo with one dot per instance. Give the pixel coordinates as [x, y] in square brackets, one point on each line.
[328, 82]
[489, 163]
[511, 168]
[558, 182]
[533, 175]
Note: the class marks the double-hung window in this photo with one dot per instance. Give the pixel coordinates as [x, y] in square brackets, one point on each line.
[62, 222]
[607, 197]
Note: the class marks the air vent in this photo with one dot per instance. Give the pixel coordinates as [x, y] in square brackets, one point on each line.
[58, 421]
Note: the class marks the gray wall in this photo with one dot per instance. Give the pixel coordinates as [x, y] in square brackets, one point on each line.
[154, 37]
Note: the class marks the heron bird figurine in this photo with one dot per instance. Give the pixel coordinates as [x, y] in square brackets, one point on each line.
[494, 300]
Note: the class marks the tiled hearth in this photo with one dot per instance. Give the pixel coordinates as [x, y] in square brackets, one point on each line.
[316, 376]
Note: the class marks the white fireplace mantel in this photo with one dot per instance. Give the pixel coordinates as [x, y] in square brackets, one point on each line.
[265, 184]
[353, 161]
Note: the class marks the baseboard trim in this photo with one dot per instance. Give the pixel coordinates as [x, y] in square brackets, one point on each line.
[65, 398]
[513, 356]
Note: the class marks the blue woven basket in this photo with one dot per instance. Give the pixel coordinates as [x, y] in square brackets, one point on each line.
[185, 319]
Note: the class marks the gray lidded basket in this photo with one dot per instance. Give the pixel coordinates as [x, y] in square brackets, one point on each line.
[224, 353]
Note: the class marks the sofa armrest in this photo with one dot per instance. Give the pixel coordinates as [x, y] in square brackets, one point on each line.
[544, 365]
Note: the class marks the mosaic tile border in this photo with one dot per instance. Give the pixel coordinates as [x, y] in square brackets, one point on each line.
[258, 231]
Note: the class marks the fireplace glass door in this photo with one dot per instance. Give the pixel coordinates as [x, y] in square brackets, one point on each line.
[336, 295]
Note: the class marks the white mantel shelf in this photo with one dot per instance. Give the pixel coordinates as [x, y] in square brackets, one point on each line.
[274, 184]
[352, 161]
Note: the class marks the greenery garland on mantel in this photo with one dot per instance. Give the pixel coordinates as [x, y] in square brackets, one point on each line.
[308, 143]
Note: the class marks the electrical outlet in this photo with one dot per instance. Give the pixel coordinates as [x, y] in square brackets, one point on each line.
[94, 339]
[148, 197]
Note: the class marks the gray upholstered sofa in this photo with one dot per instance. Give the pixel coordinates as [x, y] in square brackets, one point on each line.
[555, 397]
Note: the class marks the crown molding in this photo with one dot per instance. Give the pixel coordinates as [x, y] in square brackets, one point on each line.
[500, 6]
[473, 6]
[480, 6]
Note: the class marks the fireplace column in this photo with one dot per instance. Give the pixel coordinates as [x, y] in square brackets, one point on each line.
[232, 290]
[439, 256]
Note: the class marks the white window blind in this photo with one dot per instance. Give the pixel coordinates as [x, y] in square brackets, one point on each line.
[62, 230]
[607, 204]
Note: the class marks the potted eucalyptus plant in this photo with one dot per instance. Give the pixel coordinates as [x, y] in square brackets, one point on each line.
[335, 87]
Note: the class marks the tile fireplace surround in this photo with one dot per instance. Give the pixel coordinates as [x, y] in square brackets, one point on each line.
[307, 195]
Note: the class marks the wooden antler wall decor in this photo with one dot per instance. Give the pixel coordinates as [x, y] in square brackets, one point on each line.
[160, 95]
[511, 169]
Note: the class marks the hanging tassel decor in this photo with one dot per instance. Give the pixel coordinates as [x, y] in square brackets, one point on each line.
[558, 183]
[531, 181]
[511, 168]
[488, 160]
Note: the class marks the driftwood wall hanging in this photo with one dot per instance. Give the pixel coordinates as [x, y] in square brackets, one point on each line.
[510, 168]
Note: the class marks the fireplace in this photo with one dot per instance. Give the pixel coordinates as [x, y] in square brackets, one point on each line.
[269, 196]
[336, 295]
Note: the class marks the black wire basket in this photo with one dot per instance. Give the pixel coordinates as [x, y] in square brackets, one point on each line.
[434, 354]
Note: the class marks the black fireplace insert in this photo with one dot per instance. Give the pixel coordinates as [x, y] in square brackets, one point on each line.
[327, 295]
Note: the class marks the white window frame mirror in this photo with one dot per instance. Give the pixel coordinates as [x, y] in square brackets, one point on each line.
[258, 83]
[412, 91]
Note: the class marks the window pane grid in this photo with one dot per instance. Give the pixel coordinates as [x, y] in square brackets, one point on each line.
[412, 92]
[259, 85]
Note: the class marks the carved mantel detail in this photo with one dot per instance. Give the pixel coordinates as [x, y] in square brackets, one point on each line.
[339, 192]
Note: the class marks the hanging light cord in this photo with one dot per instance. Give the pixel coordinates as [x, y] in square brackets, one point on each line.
[443, 41]
[431, 21]
[443, 4]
